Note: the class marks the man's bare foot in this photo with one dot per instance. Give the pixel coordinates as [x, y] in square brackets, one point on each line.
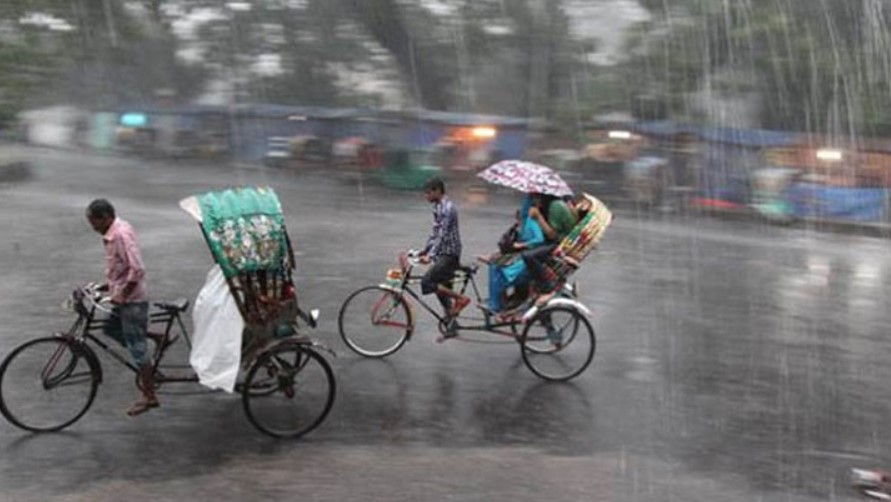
[544, 298]
[458, 306]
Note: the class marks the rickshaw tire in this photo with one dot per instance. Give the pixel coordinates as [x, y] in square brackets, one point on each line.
[259, 364]
[528, 353]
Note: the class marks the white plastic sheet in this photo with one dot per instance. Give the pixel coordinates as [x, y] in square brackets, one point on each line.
[216, 344]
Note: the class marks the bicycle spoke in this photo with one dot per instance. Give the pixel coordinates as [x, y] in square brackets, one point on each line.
[294, 406]
[558, 343]
[375, 321]
[46, 385]
[71, 380]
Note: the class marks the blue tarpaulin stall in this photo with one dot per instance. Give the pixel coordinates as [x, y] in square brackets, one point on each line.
[812, 201]
[727, 157]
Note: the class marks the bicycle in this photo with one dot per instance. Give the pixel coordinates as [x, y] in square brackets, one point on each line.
[557, 340]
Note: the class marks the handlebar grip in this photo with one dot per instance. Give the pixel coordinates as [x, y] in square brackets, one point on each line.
[414, 257]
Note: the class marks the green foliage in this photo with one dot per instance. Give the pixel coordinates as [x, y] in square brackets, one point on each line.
[818, 65]
[118, 55]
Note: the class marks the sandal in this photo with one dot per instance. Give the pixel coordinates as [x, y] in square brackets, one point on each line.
[142, 406]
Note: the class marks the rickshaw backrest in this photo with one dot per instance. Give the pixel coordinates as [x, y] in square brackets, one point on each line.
[583, 238]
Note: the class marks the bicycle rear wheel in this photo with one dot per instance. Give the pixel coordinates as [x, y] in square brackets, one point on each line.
[46, 385]
[558, 343]
[298, 391]
[375, 321]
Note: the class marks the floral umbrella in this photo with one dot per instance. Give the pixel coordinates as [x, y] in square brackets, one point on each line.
[526, 177]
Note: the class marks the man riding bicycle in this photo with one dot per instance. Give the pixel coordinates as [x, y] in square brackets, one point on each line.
[443, 249]
[125, 282]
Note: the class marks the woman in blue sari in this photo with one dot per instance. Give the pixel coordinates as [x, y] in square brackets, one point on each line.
[506, 270]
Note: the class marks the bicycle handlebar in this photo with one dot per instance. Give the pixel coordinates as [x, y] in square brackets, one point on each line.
[413, 256]
[91, 293]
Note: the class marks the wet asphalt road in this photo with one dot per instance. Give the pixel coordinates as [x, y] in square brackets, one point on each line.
[735, 361]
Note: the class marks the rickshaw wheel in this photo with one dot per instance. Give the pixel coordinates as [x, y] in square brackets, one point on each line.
[558, 343]
[298, 390]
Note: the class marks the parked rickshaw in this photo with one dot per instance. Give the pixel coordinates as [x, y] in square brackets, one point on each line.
[406, 169]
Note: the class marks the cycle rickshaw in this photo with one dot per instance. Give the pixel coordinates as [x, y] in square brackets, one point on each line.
[287, 387]
[556, 339]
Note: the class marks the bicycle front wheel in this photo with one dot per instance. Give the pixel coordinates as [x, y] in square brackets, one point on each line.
[375, 321]
[46, 385]
[558, 343]
[298, 391]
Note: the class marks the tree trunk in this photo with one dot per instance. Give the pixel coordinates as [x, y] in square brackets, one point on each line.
[384, 21]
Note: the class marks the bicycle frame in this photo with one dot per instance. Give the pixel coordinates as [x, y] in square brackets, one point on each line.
[465, 279]
[87, 326]
[542, 326]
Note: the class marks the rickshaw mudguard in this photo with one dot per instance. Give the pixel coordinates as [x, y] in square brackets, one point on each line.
[301, 341]
[558, 302]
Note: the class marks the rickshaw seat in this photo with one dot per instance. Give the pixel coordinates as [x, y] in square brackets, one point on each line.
[468, 269]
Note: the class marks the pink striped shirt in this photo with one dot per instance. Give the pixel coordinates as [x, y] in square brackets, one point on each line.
[123, 263]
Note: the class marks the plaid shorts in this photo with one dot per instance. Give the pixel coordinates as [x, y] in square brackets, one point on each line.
[441, 272]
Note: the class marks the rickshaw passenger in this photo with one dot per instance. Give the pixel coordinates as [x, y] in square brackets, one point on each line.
[507, 268]
[557, 219]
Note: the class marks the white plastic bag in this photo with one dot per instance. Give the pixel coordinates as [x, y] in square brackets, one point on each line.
[216, 344]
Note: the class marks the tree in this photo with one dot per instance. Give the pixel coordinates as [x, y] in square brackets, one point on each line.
[95, 53]
[385, 22]
[819, 65]
[122, 52]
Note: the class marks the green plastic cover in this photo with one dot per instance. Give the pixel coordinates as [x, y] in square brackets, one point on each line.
[245, 229]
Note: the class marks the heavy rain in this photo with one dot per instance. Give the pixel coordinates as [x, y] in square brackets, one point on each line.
[493, 250]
